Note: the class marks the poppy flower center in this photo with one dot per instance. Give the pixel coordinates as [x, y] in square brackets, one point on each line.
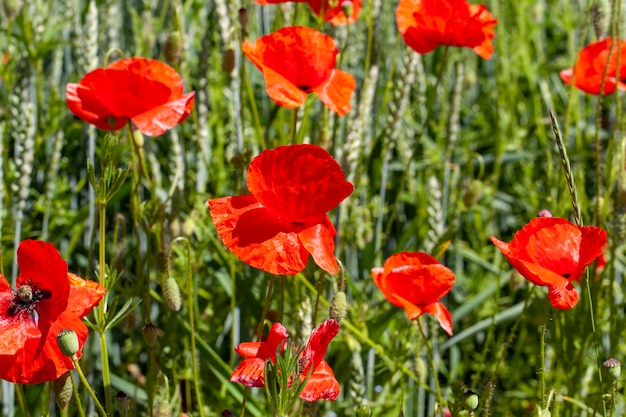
[304, 88]
[566, 276]
[25, 300]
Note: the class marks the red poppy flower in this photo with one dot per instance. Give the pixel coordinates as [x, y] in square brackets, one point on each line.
[321, 383]
[328, 12]
[553, 252]
[416, 281]
[145, 91]
[591, 63]
[284, 219]
[296, 61]
[47, 300]
[250, 371]
[426, 24]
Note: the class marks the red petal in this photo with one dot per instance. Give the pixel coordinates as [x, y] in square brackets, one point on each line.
[256, 236]
[442, 314]
[41, 265]
[250, 373]
[158, 120]
[593, 241]
[15, 331]
[420, 285]
[87, 105]
[300, 183]
[154, 70]
[319, 241]
[317, 345]
[248, 349]
[505, 248]
[563, 296]
[321, 385]
[275, 342]
[336, 91]
[84, 295]
[405, 259]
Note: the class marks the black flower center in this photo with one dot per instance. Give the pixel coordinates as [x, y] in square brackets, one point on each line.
[25, 300]
[304, 88]
[566, 276]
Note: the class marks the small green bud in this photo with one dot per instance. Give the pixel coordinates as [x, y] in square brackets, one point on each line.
[171, 294]
[68, 343]
[473, 193]
[363, 411]
[338, 306]
[11, 8]
[63, 391]
[613, 368]
[173, 48]
[150, 333]
[471, 400]
[463, 413]
[348, 7]
[138, 138]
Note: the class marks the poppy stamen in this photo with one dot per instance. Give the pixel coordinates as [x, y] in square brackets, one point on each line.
[25, 299]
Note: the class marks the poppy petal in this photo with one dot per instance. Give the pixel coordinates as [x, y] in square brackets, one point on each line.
[160, 119]
[420, 285]
[322, 384]
[563, 296]
[85, 294]
[248, 349]
[439, 310]
[250, 372]
[275, 342]
[593, 240]
[517, 264]
[154, 70]
[316, 347]
[15, 331]
[256, 236]
[336, 91]
[408, 259]
[87, 105]
[318, 241]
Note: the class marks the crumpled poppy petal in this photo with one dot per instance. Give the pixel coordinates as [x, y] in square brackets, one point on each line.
[592, 243]
[408, 259]
[15, 332]
[336, 91]
[322, 384]
[250, 372]
[84, 293]
[87, 105]
[248, 349]
[275, 342]
[153, 70]
[160, 119]
[563, 296]
[256, 236]
[318, 240]
[439, 310]
[517, 264]
[317, 345]
[420, 285]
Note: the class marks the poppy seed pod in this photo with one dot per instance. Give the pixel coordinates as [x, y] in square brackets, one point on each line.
[122, 402]
[613, 368]
[173, 48]
[171, 294]
[68, 342]
[63, 391]
[150, 334]
[348, 8]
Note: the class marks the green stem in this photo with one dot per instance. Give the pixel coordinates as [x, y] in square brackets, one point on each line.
[542, 350]
[81, 375]
[104, 353]
[431, 358]
[19, 392]
[79, 404]
[294, 126]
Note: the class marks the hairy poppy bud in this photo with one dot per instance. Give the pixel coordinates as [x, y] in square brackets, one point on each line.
[338, 306]
[63, 390]
[171, 293]
[150, 333]
[173, 48]
[471, 400]
[613, 368]
[68, 342]
[11, 8]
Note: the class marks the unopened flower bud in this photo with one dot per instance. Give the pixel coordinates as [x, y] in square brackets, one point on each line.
[228, 60]
[171, 294]
[473, 193]
[138, 138]
[122, 402]
[613, 368]
[243, 17]
[11, 8]
[173, 48]
[63, 391]
[227, 413]
[544, 213]
[338, 306]
[150, 333]
[471, 400]
[348, 7]
[363, 411]
[68, 342]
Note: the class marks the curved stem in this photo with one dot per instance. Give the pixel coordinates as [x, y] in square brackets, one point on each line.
[79, 404]
[81, 375]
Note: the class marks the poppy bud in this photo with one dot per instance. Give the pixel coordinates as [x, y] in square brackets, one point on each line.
[68, 343]
[613, 368]
[363, 411]
[171, 293]
[471, 400]
[122, 402]
[173, 48]
[463, 413]
[338, 306]
[228, 60]
[243, 17]
[63, 390]
[348, 7]
[473, 193]
[138, 138]
[598, 20]
[226, 413]
[162, 409]
[11, 8]
[150, 333]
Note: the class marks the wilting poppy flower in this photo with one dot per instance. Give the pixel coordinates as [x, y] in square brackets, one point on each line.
[591, 63]
[296, 61]
[553, 252]
[426, 24]
[416, 281]
[284, 219]
[250, 371]
[47, 300]
[145, 91]
[321, 383]
[333, 13]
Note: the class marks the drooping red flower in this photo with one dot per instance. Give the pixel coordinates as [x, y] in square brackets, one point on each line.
[47, 300]
[296, 61]
[334, 14]
[250, 372]
[321, 383]
[553, 252]
[426, 24]
[284, 219]
[589, 69]
[145, 91]
[416, 281]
